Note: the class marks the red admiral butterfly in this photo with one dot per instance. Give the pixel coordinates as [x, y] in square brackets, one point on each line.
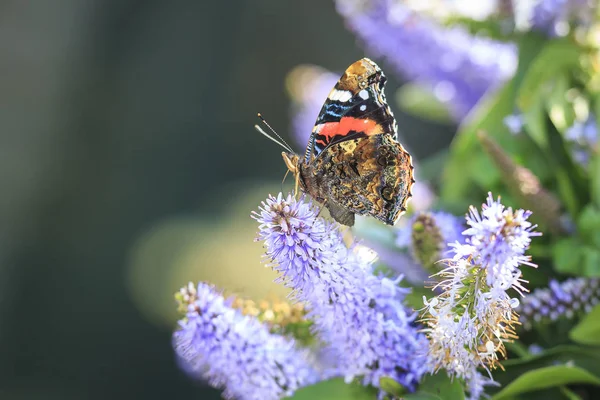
[353, 162]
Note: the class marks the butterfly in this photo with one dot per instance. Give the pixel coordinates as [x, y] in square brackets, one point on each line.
[353, 162]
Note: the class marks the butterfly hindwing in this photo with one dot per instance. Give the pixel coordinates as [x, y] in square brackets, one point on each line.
[367, 175]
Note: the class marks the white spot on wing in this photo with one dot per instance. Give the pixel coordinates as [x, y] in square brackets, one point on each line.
[363, 94]
[340, 95]
[363, 107]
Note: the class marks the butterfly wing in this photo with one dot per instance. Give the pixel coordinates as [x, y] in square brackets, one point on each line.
[356, 107]
[367, 175]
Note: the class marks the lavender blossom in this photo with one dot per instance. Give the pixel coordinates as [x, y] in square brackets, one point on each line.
[497, 240]
[358, 315]
[235, 352]
[458, 67]
[295, 241]
[474, 314]
[560, 300]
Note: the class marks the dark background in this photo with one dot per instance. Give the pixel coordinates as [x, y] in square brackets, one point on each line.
[117, 115]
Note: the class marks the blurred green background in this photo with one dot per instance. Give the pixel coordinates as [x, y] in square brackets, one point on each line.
[129, 166]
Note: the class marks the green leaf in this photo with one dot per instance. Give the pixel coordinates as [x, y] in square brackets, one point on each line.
[546, 377]
[429, 168]
[469, 165]
[573, 186]
[530, 45]
[586, 358]
[421, 396]
[567, 256]
[588, 225]
[534, 119]
[335, 389]
[595, 178]
[439, 386]
[466, 157]
[567, 191]
[560, 110]
[391, 386]
[587, 331]
[590, 261]
[569, 394]
[555, 56]
[418, 100]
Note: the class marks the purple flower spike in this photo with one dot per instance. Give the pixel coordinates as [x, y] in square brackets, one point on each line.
[497, 239]
[295, 241]
[458, 67]
[235, 352]
[559, 300]
[359, 316]
[468, 323]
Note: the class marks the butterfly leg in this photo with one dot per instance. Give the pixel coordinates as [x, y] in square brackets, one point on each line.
[297, 185]
[283, 180]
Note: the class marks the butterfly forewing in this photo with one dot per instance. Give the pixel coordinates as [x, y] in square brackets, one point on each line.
[356, 107]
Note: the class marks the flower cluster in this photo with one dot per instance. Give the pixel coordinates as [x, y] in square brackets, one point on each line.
[559, 300]
[458, 67]
[237, 353]
[474, 314]
[358, 315]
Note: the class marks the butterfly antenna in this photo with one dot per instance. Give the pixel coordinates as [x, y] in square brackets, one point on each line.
[281, 142]
[261, 131]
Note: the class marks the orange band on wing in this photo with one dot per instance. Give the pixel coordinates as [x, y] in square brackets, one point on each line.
[347, 125]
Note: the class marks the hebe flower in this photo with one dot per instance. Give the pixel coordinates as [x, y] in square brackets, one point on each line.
[560, 300]
[458, 67]
[497, 240]
[235, 352]
[358, 315]
[472, 317]
[299, 246]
